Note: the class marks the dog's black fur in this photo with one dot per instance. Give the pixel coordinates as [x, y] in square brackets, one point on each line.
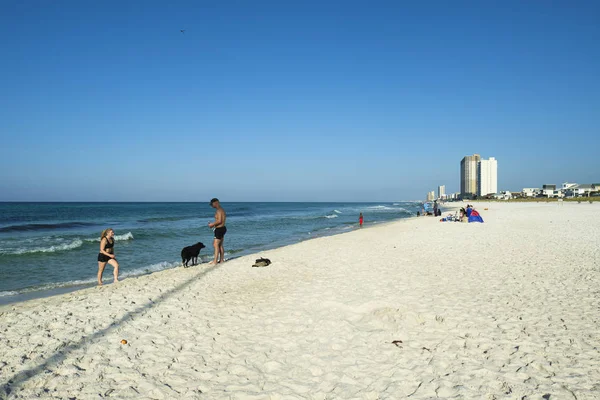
[191, 253]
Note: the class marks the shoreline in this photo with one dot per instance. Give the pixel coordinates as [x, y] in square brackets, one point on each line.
[44, 293]
[54, 293]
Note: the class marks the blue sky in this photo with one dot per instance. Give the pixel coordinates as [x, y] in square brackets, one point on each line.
[293, 101]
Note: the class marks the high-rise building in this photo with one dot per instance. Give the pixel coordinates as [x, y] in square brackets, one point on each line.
[487, 177]
[441, 191]
[469, 175]
[478, 177]
[431, 196]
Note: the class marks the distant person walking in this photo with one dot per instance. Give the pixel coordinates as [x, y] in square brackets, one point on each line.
[360, 220]
[107, 254]
[220, 230]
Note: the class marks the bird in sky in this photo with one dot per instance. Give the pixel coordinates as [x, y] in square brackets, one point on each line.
[182, 31]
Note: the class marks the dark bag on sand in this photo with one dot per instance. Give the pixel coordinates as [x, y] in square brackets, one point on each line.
[262, 262]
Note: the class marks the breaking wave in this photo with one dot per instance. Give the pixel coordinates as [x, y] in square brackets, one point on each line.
[50, 249]
[57, 247]
[381, 208]
[125, 236]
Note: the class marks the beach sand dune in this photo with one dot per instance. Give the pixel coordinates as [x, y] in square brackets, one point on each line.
[412, 309]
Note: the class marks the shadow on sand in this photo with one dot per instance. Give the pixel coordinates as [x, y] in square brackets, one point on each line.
[14, 382]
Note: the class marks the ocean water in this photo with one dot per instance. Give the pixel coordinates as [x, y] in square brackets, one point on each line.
[54, 245]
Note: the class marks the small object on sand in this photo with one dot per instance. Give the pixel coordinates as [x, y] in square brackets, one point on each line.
[397, 342]
[123, 341]
[485, 209]
[262, 262]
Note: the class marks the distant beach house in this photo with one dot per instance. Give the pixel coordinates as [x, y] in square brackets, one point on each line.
[567, 189]
[504, 195]
[530, 192]
[550, 192]
[578, 190]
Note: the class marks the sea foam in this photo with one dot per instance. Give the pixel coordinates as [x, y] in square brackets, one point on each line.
[380, 207]
[125, 236]
[92, 280]
[50, 249]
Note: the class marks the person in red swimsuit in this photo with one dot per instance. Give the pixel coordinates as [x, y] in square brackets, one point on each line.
[360, 220]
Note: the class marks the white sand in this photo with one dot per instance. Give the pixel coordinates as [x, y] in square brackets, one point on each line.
[505, 309]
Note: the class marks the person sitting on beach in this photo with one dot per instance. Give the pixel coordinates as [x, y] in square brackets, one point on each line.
[463, 215]
[107, 254]
[220, 230]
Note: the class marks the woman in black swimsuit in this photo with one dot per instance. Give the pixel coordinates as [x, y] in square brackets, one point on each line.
[107, 254]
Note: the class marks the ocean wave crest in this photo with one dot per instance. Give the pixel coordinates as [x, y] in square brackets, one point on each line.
[50, 249]
[125, 236]
[151, 268]
[380, 208]
[331, 216]
[337, 211]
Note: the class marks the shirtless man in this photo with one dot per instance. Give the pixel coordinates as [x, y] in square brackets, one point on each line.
[220, 230]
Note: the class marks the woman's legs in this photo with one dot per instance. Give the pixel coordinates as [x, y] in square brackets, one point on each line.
[115, 264]
[101, 266]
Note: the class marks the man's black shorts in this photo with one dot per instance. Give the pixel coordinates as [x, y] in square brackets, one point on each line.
[220, 232]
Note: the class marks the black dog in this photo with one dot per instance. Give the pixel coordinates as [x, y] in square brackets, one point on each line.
[191, 253]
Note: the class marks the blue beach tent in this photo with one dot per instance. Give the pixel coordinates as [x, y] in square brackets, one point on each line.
[473, 215]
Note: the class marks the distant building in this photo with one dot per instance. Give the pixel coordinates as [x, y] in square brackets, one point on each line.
[431, 196]
[478, 177]
[577, 190]
[487, 174]
[504, 195]
[442, 192]
[468, 175]
[549, 190]
[530, 192]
